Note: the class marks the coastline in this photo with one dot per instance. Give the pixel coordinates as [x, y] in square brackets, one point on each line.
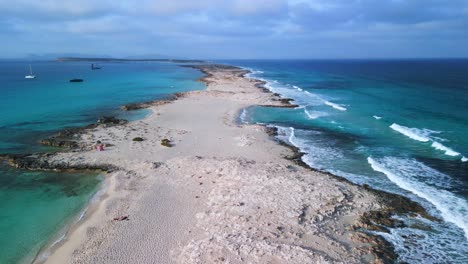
[310, 238]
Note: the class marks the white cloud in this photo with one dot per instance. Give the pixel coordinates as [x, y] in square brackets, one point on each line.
[101, 25]
[249, 7]
[54, 8]
[251, 22]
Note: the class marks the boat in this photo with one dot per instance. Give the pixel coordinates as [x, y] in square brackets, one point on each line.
[76, 80]
[30, 76]
[95, 67]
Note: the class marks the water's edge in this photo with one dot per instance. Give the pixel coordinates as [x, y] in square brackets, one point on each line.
[393, 203]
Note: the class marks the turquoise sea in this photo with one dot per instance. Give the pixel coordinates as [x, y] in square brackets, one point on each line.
[36, 207]
[396, 125]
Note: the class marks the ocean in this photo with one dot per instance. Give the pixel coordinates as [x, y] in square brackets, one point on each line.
[36, 207]
[396, 125]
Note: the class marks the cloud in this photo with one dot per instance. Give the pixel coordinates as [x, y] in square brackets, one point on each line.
[101, 25]
[53, 9]
[259, 7]
[276, 27]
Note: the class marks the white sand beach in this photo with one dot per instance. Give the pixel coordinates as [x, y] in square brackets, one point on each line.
[222, 193]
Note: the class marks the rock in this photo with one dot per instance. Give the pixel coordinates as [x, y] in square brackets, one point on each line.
[138, 139]
[166, 142]
[40, 161]
[68, 138]
[137, 106]
[59, 142]
[130, 107]
[121, 218]
[111, 120]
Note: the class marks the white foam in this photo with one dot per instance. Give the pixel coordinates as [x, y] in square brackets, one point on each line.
[336, 106]
[377, 117]
[243, 115]
[314, 114]
[288, 135]
[82, 215]
[46, 254]
[291, 135]
[297, 88]
[464, 159]
[412, 133]
[425, 135]
[453, 209]
[448, 151]
[251, 73]
[301, 97]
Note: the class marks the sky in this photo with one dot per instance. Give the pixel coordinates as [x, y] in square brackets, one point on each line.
[236, 29]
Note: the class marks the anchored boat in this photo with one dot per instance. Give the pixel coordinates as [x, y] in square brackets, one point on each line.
[30, 76]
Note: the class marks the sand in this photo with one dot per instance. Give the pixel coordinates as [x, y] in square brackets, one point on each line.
[223, 193]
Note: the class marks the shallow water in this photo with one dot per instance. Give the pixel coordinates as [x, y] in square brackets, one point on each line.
[398, 126]
[36, 205]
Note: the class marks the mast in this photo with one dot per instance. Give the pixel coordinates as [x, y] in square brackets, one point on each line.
[30, 69]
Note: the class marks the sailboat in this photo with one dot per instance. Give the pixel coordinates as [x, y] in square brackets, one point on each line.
[30, 76]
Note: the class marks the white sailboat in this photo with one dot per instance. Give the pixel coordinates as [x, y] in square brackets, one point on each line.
[30, 76]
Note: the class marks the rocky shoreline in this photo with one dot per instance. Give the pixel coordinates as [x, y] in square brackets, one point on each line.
[375, 220]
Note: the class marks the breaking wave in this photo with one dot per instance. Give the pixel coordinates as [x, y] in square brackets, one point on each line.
[336, 106]
[404, 173]
[448, 151]
[413, 133]
[424, 135]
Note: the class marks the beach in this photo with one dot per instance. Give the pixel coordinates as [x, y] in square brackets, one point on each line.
[201, 187]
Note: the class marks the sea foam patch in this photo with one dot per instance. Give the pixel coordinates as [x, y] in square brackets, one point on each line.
[336, 106]
[452, 208]
[413, 133]
[314, 114]
[448, 151]
[425, 135]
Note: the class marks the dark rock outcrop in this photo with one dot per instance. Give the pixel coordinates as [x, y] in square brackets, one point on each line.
[41, 161]
[110, 120]
[166, 142]
[137, 106]
[69, 138]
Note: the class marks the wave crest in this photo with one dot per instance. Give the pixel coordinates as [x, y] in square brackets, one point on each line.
[412, 133]
[336, 106]
[448, 151]
[452, 208]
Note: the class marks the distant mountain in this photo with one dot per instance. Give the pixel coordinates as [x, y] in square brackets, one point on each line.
[53, 56]
[97, 59]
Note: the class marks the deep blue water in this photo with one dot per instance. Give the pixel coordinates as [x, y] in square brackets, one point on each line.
[397, 125]
[34, 206]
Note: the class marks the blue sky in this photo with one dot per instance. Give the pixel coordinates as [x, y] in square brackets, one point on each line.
[214, 29]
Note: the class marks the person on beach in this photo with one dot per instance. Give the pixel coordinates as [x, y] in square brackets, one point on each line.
[99, 146]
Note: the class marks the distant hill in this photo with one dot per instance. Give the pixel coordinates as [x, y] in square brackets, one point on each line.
[53, 56]
[96, 59]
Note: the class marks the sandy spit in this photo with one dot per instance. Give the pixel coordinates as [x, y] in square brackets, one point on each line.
[221, 193]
